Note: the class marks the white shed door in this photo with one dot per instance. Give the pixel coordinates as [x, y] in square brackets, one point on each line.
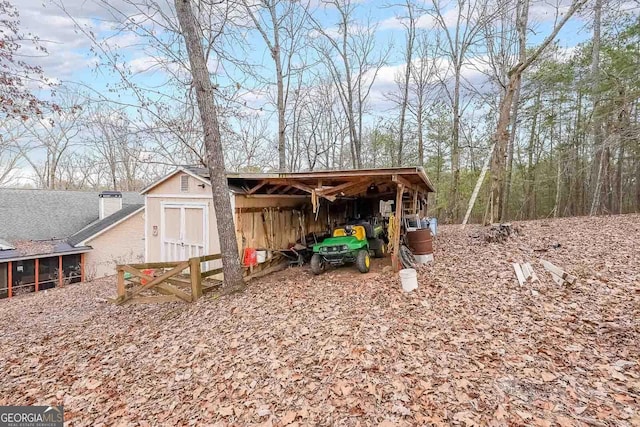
[184, 231]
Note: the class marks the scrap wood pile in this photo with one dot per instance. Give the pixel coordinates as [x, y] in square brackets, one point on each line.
[470, 346]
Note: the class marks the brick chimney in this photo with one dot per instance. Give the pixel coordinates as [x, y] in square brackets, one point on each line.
[110, 202]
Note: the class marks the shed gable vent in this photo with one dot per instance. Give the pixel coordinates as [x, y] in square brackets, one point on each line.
[184, 183]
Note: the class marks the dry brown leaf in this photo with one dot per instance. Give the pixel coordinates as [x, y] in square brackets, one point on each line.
[542, 423]
[547, 376]
[197, 392]
[500, 413]
[93, 384]
[263, 412]
[288, 418]
[565, 421]
[579, 410]
[225, 411]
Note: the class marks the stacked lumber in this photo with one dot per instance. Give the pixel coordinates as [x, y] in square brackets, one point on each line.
[524, 273]
[557, 274]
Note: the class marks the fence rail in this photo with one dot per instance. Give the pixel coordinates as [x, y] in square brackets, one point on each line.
[169, 281]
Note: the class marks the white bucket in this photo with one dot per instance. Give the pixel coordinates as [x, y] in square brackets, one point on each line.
[409, 279]
[424, 259]
[261, 256]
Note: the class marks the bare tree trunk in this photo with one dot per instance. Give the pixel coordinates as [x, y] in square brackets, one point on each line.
[411, 35]
[529, 189]
[282, 159]
[598, 137]
[502, 131]
[420, 136]
[522, 16]
[275, 49]
[501, 141]
[556, 207]
[455, 149]
[215, 158]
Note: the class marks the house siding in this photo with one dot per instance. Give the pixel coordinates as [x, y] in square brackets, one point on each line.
[171, 187]
[121, 244]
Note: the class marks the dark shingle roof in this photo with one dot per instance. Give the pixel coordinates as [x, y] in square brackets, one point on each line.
[96, 227]
[26, 249]
[49, 214]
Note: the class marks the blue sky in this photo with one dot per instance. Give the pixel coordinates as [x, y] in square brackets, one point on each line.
[70, 58]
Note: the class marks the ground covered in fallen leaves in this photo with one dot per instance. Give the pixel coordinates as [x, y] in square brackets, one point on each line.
[469, 347]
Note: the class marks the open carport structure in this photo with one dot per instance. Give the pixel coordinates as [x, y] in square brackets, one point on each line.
[331, 198]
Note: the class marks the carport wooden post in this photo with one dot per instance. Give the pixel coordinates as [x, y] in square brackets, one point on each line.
[60, 272]
[395, 261]
[37, 274]
[10, 278]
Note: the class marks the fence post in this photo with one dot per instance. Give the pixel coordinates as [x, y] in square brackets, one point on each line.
[37, 271]
[121, 291]
[60, 272]
[196, 280]
[10, 278]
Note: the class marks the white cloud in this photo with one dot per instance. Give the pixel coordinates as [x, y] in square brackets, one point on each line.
[425, 21]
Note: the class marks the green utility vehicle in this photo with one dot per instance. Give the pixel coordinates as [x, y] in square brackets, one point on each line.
[349, 244]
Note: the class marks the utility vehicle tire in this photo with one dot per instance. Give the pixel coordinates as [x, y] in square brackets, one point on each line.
[380, 250]
[363, 261]
[407, 258]
[317, 264]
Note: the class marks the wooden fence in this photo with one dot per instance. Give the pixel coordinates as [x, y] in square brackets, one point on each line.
[165, 281]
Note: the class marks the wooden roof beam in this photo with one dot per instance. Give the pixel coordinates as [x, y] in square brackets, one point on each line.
[273, 189]
[357, 189]
[300, 186]
[406, 183]
[257, 187]
[341, 188]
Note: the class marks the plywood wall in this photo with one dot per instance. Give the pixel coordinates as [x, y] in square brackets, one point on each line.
[275, 222]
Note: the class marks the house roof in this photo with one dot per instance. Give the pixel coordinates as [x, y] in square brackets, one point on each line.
[335, 183]
[100, 226]
[27, 214]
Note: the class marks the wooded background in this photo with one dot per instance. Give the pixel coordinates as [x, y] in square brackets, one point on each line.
[470, 75]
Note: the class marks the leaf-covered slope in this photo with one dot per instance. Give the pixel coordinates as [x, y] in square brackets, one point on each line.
[470, 347]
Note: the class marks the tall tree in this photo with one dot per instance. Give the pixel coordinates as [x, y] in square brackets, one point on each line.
[598, 137]
[410, 36]
[501, 135]
[280, 24]
[457, 42]
[422, 71]
[353, 62]
[215, 158]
